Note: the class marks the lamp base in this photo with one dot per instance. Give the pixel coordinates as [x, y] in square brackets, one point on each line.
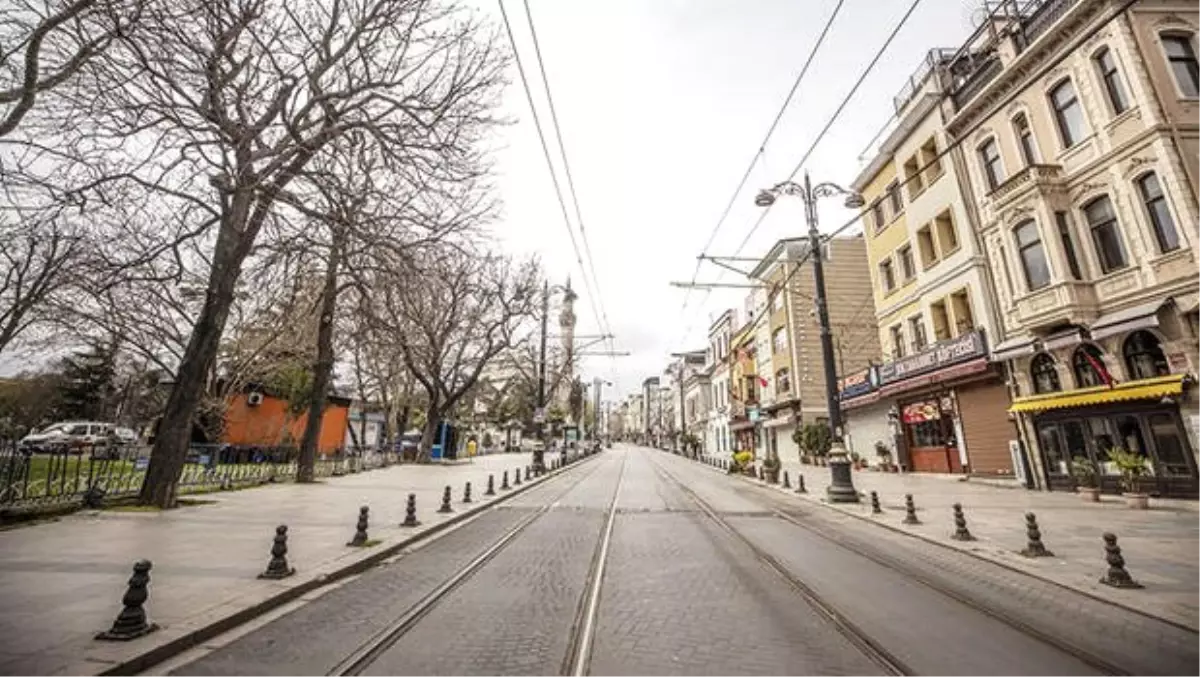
[841, 486]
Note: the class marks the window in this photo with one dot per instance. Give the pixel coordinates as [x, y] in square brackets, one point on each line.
[783, 382]
[887, 277]
[940, 319]
[877, 215]
[1033, 255]
[1144, 356]
[964, 318]
[1067, 113]
[1160, 215]
[1102, 221]
[779, 340]
[916, 327]
[913, 178]
[895, 201]
[928, 249]
[1107, 65]
[1088, 365]
[897, 341]
[947, 236]
[1068, 244]
[989, 157]
[929, 157]
[1170, 450]
[1182, 59]
[927, 434]
[907, 268]
[1044, 374]
[1025, 139]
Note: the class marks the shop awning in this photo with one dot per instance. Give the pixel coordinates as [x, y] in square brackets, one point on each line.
[1143, 316]
[1144, 389]
[939, 376]
[1013, 348]
[1062, 339]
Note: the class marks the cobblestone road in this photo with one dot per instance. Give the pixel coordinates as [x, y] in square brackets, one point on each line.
[681, 594]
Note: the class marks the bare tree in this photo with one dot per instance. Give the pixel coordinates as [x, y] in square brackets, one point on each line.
[218, 107]
[36, 257]
[45, 44]
[450, 314]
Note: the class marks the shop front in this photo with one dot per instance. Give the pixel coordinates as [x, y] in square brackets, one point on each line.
[1143, 416]
[949, 405]
[867, 419]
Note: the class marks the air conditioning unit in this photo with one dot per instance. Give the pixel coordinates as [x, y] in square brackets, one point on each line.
[254, 399]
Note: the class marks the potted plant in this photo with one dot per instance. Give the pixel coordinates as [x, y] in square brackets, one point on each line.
[884, 454]
[771, 466]
[1132, 466]
[1084, 473]
[741, 461]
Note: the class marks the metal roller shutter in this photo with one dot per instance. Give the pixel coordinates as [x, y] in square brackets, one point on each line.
[983, 410]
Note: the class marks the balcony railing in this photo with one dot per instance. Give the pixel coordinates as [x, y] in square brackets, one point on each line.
[976, 81]
[1042, 18]
[1032, 175]
[934, 58]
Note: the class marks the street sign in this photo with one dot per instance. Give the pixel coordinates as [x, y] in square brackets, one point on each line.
[539, 415]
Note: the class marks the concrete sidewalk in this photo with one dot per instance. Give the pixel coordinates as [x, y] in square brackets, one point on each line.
[62, 582]
[1161, 545]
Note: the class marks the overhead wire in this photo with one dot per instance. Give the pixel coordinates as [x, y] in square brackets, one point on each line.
[593, 298]
[606, 327]
[761, 148]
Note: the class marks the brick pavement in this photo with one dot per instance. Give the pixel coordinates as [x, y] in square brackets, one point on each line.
[1160, 545]
[61, 582]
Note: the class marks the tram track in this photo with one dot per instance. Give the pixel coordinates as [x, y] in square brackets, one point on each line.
[368, 652]
[922, 578]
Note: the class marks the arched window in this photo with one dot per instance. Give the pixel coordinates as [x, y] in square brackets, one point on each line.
[1144, 356]
[1044, 375]
[1088, 365]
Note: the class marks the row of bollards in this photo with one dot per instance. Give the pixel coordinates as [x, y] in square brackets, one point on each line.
[132, 622]
[1116, 576]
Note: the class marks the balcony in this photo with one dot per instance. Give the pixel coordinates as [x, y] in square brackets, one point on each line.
[989, 67]
[1039, 20]
[1064, 302]
[1039, 178]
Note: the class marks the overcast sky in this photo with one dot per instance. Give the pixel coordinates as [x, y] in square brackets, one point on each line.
[662, 105]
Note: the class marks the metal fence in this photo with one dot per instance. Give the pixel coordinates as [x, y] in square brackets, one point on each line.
[58, 479]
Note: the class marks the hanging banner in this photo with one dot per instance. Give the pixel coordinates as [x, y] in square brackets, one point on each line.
[920, 412]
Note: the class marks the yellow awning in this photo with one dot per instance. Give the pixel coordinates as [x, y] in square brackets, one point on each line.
[1145, 389]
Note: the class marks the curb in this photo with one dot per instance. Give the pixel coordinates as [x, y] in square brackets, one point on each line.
[809, 498]
[159, 654]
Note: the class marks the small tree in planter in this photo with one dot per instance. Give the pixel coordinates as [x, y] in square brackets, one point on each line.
[741, 461]
[1084, 473]
[884, 454]
[1133, 467]
[771, 466]
[816, 440]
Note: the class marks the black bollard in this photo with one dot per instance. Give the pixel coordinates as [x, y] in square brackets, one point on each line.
[131, 622]
[875, 509]
[1034, 547]
[278, 566]
[410, 513]
[1117, 576]
[961, 533]
[446, 500]
[504, 482]
[787, 483]
[467, 492]
[526, 473]
[517, 477]
[491, 487]
[910, 510]
[360, 529]
[800, 484]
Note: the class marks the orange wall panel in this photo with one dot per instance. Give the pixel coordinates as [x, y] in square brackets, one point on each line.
[269, 424]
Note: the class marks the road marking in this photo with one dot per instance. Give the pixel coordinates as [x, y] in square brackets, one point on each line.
[587, 630]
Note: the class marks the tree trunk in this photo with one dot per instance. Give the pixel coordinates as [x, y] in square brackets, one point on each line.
[322, 370]
[425, 449]
[170, 449]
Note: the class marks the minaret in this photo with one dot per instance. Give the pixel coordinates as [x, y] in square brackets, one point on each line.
[566, 329]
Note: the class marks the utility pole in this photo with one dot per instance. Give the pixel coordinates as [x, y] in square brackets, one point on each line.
[538, 451]
[841, 488]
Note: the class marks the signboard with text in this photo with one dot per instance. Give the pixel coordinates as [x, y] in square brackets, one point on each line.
[858, 384]
[941, 354]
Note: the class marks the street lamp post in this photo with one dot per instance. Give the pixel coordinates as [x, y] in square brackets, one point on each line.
[841, 488]
[539, 464]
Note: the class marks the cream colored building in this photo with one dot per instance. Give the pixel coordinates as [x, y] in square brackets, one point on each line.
[1079, 132]
[720, 333]
[935, 400]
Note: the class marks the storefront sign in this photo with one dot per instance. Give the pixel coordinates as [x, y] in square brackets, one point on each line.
[941, 354]
[858, 384]
[920, 412]
[1178, 362]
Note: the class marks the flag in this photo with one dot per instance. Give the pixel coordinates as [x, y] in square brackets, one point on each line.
[1099, 367]
[762, 381]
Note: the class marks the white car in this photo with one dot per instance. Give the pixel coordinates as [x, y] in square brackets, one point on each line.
[68, 434]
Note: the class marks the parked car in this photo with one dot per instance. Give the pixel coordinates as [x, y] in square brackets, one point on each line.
[68, 435]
